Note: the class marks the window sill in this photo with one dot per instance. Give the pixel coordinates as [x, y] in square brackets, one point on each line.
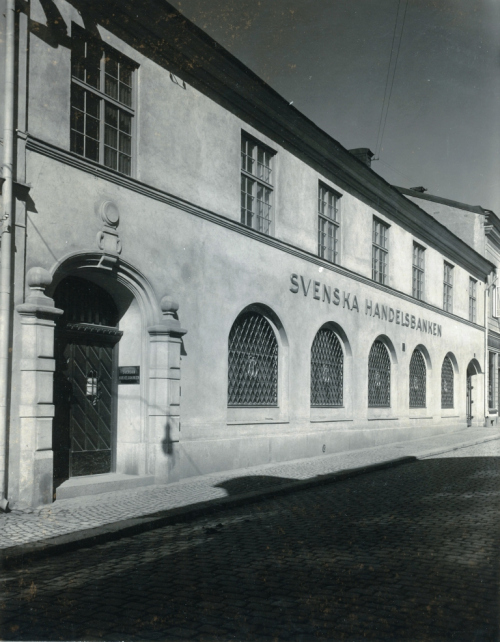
[330, 413]
[257, 422]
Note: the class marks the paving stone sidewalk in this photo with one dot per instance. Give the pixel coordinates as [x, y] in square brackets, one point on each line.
[21, 528]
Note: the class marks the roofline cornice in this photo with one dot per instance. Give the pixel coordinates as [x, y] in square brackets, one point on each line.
[174, 42]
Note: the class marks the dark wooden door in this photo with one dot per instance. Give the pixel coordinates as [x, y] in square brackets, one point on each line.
[86, 343]
[85, 406]
[470, 388]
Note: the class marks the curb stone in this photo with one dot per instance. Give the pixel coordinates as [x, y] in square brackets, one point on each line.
[27, 553]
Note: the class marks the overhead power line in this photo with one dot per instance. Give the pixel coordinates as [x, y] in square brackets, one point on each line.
[399, 24]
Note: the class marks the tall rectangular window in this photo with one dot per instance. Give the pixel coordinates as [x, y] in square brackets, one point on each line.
[494, 301]
[256, 185]
[380, 250]
[101, 103]
[472, 299]
[328, 224]
[448, 288]
[418, 271]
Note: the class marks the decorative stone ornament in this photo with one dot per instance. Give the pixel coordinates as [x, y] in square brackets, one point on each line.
[108, 240]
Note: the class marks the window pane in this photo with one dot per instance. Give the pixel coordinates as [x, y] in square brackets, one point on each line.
[78, 58]
[125, 95]
[110, 136]
[78, 97]
[111, 87]
[418, 380]
[93, 104]
[125, 144]
[111, 115]
[125, 123]
[253, 362]
[447, 380]
[125, 74]
[92, 149]
[124, 164]
[379, 376]
[327, 370]
[77, 120]
[93, 75]
[110, 66]
[110, 156]
[92, 127]
[77, 144]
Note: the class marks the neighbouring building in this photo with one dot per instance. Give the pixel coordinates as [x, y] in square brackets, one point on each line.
[479, 228]
[202, 279]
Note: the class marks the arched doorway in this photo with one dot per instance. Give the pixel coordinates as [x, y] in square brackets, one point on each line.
[86, 345]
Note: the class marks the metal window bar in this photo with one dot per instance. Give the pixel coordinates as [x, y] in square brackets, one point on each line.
[101, 106]
[379, 376]
[448, 288]
[328, 225]
[447, 381]
[418, 380]
[256, 188]
[379, 251]
[327, 370]
[253, 362]
[472, 300]
[418, 271]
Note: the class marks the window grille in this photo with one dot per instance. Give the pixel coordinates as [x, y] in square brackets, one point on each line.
[379, 376]
[418, 271]
[253, 362]
[256, 185]
[491, 381]
[447, 380]
[448, 288]
[379, 251]
[328, 224]
[327, 370]
[418, 380]
[472, 299]
[101, 104]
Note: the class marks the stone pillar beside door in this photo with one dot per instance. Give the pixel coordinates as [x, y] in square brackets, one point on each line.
[36, 409]
[165, 341]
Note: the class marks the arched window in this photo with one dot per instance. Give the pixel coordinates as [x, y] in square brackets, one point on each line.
[447, 377]
[253, 362]
[379, 376]
[327, 369]
[418, 380]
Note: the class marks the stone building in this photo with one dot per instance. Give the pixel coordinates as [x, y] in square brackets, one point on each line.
[479, 228]
[201, 279]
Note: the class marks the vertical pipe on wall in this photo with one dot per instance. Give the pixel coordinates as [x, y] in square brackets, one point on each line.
[6, 248]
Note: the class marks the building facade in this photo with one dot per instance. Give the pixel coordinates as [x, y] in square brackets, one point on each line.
[202, 279]
[479, 228]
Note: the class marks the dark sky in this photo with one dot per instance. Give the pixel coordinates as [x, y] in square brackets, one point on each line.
[331, 57]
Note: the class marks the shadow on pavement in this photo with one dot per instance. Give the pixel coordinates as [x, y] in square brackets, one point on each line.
[409, 553]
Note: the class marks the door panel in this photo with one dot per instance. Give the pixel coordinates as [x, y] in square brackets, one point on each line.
[84, 400]
[90, 420]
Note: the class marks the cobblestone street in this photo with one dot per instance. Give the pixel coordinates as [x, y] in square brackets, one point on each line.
[410, 553]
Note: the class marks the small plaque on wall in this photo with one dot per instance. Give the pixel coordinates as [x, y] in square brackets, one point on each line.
[129, 374]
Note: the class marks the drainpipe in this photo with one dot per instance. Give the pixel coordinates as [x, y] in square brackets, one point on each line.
[6, 258]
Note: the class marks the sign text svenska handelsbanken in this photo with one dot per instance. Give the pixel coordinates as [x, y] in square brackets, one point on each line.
[335, 296]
